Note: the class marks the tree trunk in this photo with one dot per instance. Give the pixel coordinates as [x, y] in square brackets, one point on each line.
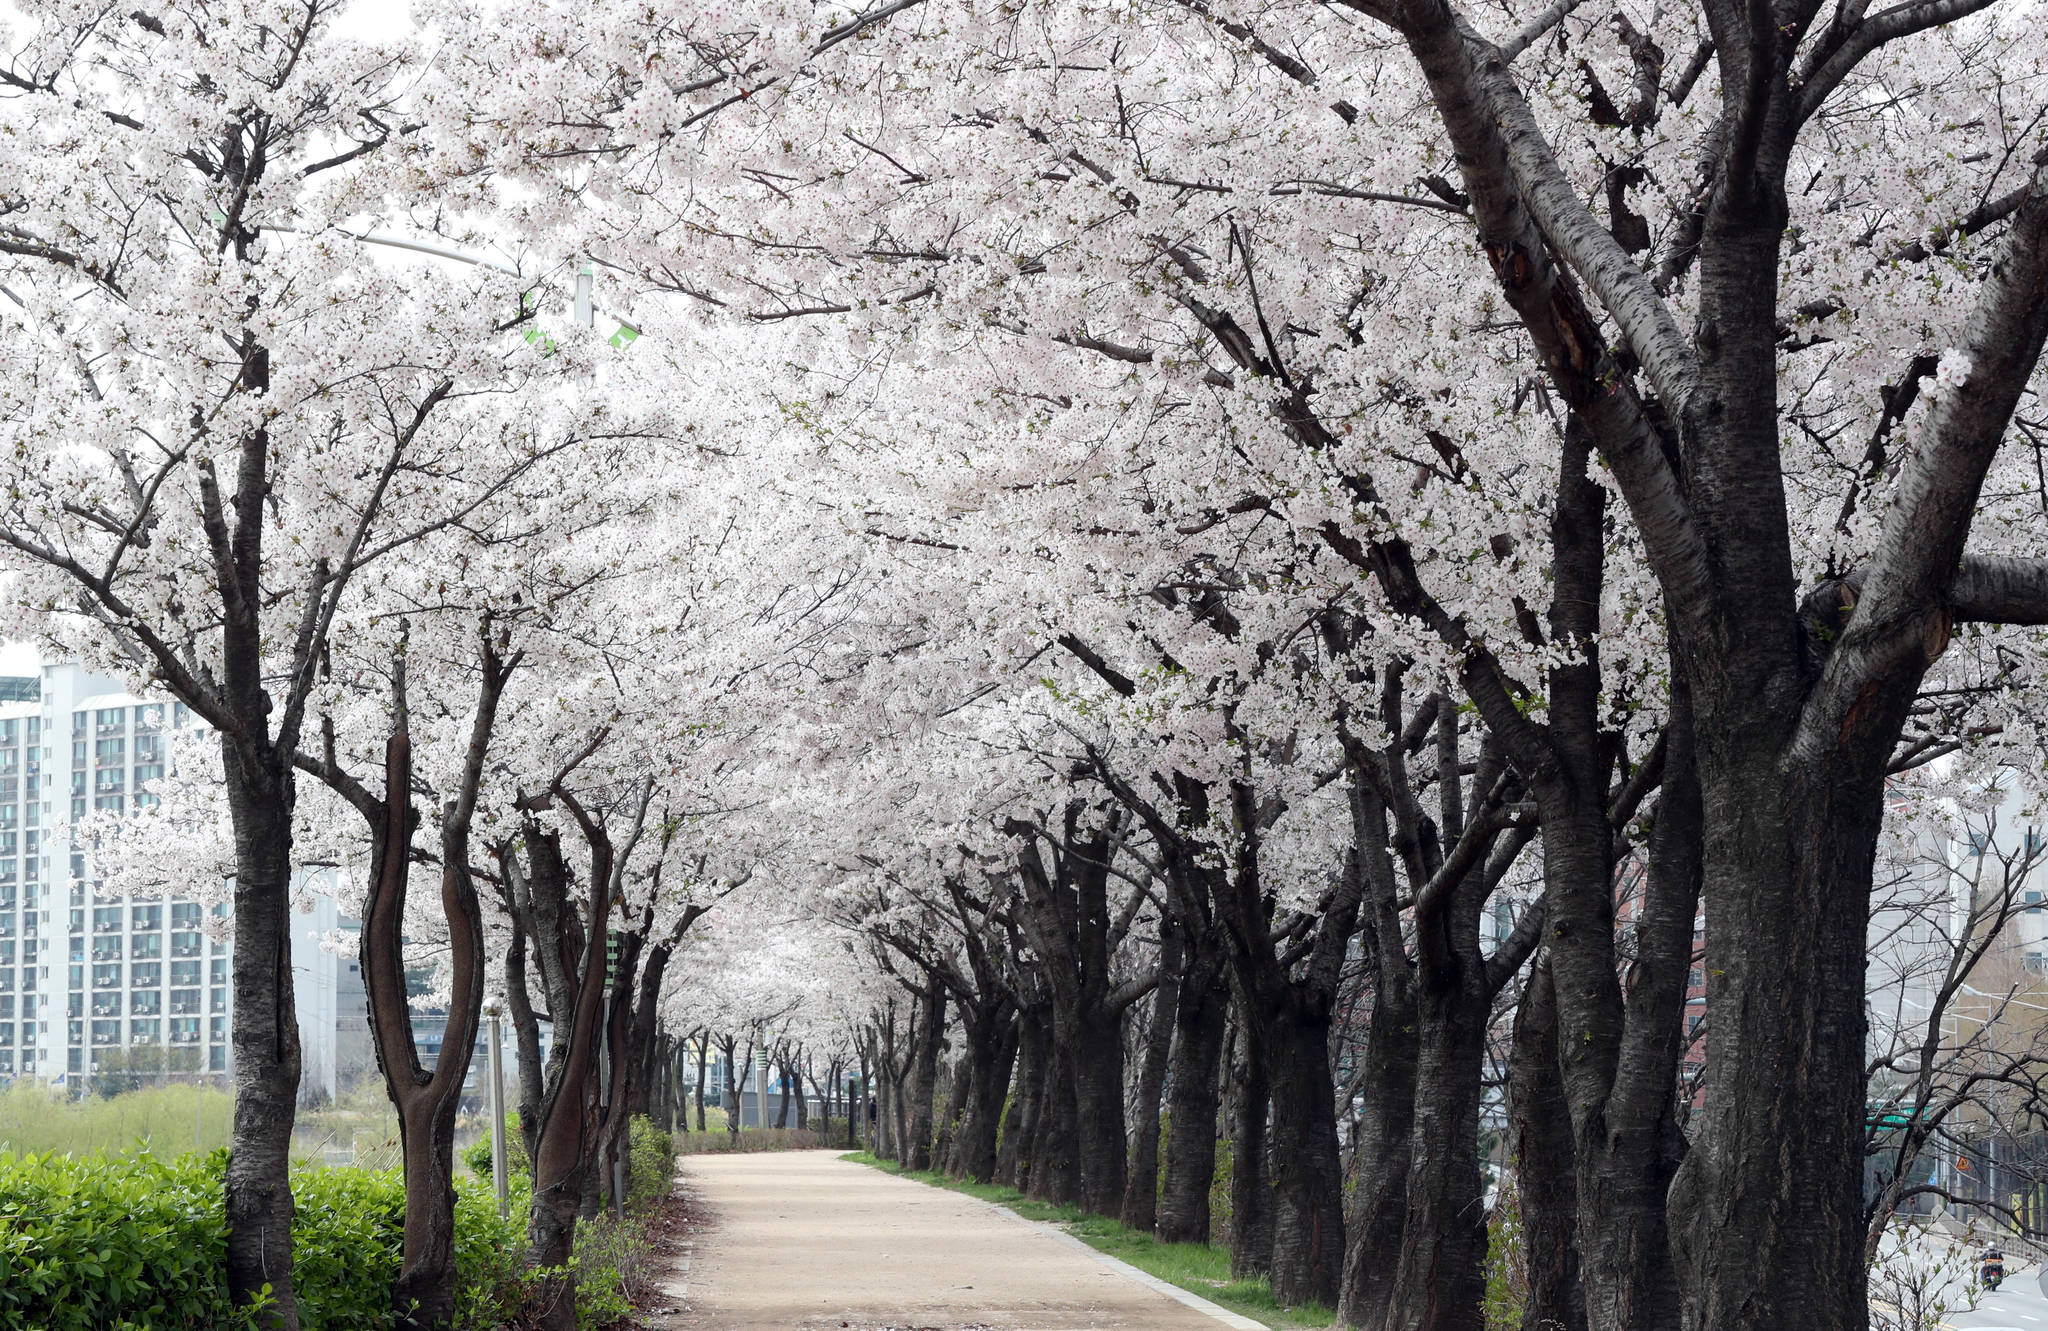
[1386, 1130]
[563, 1144]
[703, 1057]
[992, 1054]
[1440, 1280]
[1251, 1209]
[924, 1074]
[266, 1042]
[1774, 1237]
[1096, 1038]
[733, 1104]
[956, 1095]
[856, 1105]
[1055, 1174]
[423, 1295]
[1307, 1178]
[1020, 1121]
[1201, 1020]
[1545, 1164]
[1141, 1188]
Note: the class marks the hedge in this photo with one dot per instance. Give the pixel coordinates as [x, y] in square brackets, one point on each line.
[139, 1243]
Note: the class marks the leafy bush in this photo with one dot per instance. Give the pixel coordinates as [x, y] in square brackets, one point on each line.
[114, 1244]
[1507, 1273]
[652, 1165]
[477, 1155]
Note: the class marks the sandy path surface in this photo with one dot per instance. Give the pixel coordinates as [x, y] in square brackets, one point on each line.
[805, 1241]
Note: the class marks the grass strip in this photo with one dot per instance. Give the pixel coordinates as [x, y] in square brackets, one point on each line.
[1195, 1267]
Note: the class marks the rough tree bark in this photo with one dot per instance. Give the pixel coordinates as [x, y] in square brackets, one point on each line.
[1798, 706]
[563, 1143]
[1201, 1019]
[1020, 1121]
[1251, 1193]
[1141, 1188]
[924, 1072]
[1545, 1163]
[1068, 921]
[1387, 1121]
[423, 1295]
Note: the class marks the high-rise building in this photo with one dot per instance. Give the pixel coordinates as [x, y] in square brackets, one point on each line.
[24, 914]
[92, 983]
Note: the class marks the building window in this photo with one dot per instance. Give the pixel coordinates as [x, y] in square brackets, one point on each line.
[219, 1001]
[110, 752]
[185, 945]
[217, 1058]
[148, 945]
[107, 803]
[107, 1005]
[146, 1031]
[77, 724]
[185, 974]
[111, 718]
[185, 915]
[147, 974]
[184, 1030]
[185, 1002]
[106, 919]
[107, 977]
[106, 1032]
[218, 970]
[217, 1030]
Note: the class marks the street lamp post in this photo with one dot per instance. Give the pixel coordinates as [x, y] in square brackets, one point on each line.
[498, 1176]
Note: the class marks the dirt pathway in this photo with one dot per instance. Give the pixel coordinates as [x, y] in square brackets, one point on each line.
[806, 1241]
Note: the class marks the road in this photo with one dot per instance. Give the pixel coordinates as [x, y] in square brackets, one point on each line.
[806, 1241]
[1940, 1276]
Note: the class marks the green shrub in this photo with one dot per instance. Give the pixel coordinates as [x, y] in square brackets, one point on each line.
[1507, 1278]
[109, 1244]
[477, 1155]
[652, 1167]
[94, 1243]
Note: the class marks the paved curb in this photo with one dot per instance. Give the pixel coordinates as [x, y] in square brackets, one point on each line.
[1187, 1298]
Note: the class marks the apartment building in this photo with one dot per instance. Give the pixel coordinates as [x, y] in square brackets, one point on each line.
[91, 982]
